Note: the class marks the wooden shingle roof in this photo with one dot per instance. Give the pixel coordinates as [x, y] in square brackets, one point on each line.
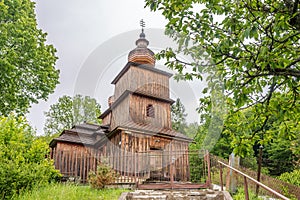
[164, 132]
[86, 134]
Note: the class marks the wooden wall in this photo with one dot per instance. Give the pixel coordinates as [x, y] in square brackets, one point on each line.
[136, 155]
[138, 79]
[120, 113]
[138, 105]
[133, 155]
[75, 160]
[107, 119]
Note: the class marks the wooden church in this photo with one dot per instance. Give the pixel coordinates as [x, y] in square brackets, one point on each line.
[136, 137]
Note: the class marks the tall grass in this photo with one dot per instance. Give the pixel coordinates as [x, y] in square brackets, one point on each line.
[58, 191]
[240, 195]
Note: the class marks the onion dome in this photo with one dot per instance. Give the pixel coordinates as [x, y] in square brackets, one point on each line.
[141, 54]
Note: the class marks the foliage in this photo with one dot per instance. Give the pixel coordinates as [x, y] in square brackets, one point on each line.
[281, 123]
[240, 195]
[69, 111]
[248, 48]
[27, 63]
[23, 164]
[178, 116]
[222, 148]
[249, 162]
[278, 157]
[197, 168]
[291, 177]
[207, 137]
[104, 175]
[69, 192]
[191, 130]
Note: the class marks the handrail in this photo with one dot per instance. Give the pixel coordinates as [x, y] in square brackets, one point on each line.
[255, 181]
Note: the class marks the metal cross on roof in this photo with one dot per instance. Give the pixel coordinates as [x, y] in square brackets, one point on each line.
[142, 23]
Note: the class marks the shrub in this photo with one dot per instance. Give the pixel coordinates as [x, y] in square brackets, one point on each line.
[104, 175]
[291, 177]
[23, 158]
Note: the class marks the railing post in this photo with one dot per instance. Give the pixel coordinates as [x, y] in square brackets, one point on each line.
[221, 176]
[246, 188]
[259, 169]
[134, 168]
[172, 172]
[208, 169]
[255, 181]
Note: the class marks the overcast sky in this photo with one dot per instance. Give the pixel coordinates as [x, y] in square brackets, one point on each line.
[93, 38]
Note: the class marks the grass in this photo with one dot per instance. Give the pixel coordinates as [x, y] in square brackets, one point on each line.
[240, 195]
[70, 192]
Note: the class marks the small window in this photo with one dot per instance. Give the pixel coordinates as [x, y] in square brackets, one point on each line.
[150, 111]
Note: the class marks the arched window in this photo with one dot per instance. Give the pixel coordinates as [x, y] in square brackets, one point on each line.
[150, 111]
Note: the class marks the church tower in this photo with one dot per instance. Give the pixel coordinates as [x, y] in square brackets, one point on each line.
[139, 120]
[141, 93]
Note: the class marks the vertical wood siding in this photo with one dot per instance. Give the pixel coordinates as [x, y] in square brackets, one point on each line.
[135, 155]
[107, 119]
[120, 114]
[75, 160]
[162, 112]
[138, 79]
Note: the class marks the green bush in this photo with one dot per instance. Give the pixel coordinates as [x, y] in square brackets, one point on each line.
[23, 158]
[105, 175]
[291, 177]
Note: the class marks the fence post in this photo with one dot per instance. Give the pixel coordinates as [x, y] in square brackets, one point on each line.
[234, 161]
[246, 188]
[172, 171]
[259, 168]
[208, 169]
[221, 176]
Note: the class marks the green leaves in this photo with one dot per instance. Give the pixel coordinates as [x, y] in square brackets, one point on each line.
[252, 47]
[69, 111]
[23, 158]
[27, 64]
[291, 177]
[178, 116]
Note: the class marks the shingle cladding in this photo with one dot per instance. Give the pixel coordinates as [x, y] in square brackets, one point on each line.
[85, 134]
[155, 130]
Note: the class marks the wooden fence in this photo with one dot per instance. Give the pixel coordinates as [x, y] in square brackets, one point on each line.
[245, 179]
[142, 168]
[75, 164]
[276, 184]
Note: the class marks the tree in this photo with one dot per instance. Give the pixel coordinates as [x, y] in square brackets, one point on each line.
[27, 63]
[278, 157]
[178, 116]
[69, 111]
[23, 158]
[251, 49]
